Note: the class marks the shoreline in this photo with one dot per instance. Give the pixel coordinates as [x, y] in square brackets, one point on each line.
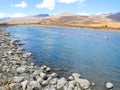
[107, 29]
[18, 73]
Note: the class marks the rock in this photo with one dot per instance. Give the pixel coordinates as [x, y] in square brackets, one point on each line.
[26, 55]
[45, 83]
[29, 87]
[10, 52]
[61, 83]
[7, 88]
[49, 78]
[54, 75]
[37, 72]
[31, 67]
[21, 69]
[72, 84]
[32, 64]
[35, 85]
[14, 41]
[47, 69]
[18, 79]
[24, 84]
[84, 83]
[70, 78]
[43, 67]
[40, 80]
[54, 81]
[1, 83]
[42, 75]
[109, 85]
[76, 75]
[11, 85]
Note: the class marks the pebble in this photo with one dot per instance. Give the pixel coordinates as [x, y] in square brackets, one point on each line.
[1, 83]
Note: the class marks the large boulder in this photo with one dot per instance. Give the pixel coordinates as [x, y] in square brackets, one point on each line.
[84, 83]
[61, 83]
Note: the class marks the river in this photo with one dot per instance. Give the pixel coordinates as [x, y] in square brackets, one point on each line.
[94, 54]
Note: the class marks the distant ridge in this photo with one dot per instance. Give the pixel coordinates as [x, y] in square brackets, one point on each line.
[5, 18]
[115, 16]
[41, 15]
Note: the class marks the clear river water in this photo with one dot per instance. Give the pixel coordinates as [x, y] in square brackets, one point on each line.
[94, 54]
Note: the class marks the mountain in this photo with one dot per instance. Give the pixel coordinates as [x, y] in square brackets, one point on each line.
[68, 19]
[5, 18]
[115, 16]
[41, 15]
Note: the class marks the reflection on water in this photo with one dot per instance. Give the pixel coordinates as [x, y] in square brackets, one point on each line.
[94, 54]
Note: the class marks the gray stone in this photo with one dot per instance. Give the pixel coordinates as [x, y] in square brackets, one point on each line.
[36, 85]
[61, 83]
[54, 75]
[18, 79]
[54, 81]
[76, 75]
[84, 83]
[40, 80]
[109, 85]
[26, 55]
[37, 72]
[45, 83]
[72, 84]
[24, 84]
[21, 69]
[47, 69]
[42, 75]
[70, 78]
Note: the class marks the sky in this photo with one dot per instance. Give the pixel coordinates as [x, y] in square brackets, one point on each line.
[19, 8]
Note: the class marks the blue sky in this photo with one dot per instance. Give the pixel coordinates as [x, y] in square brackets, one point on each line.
[17, 8]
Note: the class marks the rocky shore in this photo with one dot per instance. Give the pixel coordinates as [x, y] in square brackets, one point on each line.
[18, 73]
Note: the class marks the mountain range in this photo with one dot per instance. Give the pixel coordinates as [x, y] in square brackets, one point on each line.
[108, 20]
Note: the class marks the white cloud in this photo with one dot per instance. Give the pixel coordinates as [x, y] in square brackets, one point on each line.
[49, 4]
[71, 1]
[17, 15]
[86, 14]
[23, 4]
[2, 15]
